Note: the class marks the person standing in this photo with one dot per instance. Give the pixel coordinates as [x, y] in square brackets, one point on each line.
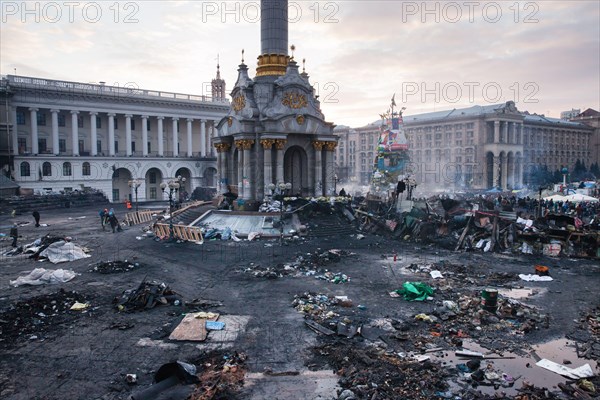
[14, 234]
[103, 218]
[36, 216]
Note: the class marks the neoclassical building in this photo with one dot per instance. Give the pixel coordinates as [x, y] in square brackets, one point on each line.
[62, 136]
[274, 131]
[478, 147]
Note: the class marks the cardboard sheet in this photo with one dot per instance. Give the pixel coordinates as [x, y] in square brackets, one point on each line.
[192, 328]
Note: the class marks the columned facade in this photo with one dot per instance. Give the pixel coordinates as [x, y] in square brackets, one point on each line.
[107, 137]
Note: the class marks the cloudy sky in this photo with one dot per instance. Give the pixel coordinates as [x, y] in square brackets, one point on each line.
[434, 56]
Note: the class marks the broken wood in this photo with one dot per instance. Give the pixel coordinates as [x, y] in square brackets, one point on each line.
[464, 233]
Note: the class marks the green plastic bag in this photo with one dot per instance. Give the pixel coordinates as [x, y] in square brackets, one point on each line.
[415, 291]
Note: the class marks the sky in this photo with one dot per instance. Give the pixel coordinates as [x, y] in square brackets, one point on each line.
[431, 56]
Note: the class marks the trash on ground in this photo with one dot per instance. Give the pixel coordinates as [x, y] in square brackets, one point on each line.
[41, 276]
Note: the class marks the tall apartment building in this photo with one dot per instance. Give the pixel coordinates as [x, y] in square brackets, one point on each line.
[479, 147]
[62, 136]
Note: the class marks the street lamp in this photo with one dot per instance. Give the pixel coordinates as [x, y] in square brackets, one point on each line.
[335, 181]
[135, 184]
[173, 185]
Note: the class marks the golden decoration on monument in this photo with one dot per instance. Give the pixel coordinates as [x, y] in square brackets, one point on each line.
[267, 143]
[300, 119]
[239, 102]
[330, 146]
[229, 121]
[294, 100]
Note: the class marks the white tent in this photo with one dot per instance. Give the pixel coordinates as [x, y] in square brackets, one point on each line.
[555, 197]
[578, 197]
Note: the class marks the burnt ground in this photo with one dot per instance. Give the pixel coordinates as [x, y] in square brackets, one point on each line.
[51, 352]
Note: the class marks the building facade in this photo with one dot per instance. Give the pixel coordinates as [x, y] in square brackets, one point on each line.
[64, 136]
[479, 147]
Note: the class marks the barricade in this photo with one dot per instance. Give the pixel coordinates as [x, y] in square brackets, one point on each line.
[183, 232]
[139, 217]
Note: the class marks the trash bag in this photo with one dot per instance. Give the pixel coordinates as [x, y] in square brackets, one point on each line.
[415, 291]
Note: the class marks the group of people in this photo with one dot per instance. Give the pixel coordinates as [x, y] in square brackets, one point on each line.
[108, 217]
[14, 230]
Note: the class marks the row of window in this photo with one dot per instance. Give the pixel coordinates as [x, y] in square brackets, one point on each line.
[67, 170]
[62, 145]
[41, 121]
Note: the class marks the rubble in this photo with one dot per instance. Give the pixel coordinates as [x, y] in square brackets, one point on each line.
[221, 375]
[35, 318]
[472, 224]
[112, 267]
[305, 264]
[147, 295]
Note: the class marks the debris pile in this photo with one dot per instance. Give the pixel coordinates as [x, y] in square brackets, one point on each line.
[114, 267]
[473, 224]
[34, 318]
[305, 264]
[147, 295]
[373, 373]
[221, 376]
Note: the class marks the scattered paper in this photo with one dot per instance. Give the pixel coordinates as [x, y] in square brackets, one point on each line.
[585, 371]
[535, 278]
[79, 306]
[436, 274]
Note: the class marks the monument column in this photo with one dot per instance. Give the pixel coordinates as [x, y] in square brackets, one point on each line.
[34, 131]
[94, 133]
[267, 145]
[318, 146]
[55, 144]
[247, 170]
[111, 134]
[161, 145]
[279, 145]
[240, 168]
[329, 170]
[75, 132]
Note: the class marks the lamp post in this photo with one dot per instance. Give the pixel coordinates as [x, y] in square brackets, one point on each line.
[173, 186]
[280, 189]
[135, 184]
[335, 181]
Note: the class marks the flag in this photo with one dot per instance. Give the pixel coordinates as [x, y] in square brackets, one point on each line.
[393, 100]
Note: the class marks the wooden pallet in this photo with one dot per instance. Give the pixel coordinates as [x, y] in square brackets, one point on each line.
[139, 217]
[182, 232]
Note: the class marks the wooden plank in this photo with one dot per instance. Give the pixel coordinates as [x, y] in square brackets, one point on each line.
[318, 328]
[191, 328]
[464, 233]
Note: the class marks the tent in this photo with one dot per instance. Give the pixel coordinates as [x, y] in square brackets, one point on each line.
[580, 197]
[555, 197]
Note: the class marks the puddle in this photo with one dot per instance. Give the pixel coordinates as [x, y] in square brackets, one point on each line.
[521, 368]
[523, 293]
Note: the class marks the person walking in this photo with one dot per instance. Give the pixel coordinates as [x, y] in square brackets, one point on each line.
[114, 222]
[36, 216]
[103, 218]
[14, 234]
